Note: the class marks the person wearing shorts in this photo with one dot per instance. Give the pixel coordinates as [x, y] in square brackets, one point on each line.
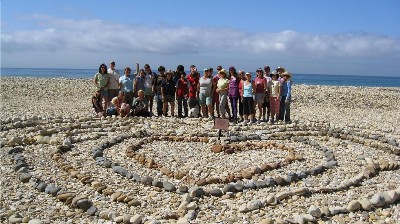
[206, 89]
[168, 93]
[113, 89]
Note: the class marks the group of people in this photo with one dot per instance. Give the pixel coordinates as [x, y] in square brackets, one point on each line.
[231, 94]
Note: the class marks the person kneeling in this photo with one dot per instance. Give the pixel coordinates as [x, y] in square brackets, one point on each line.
[140, 106]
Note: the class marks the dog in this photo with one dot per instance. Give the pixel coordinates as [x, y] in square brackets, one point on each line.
[194, 112]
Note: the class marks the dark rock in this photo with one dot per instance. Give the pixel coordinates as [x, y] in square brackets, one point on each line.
[52, 189]
[234, 139]
[331, 164]
[168, 186]
[316, 170]
[19, 165]
[147, 180]
[120, 170]
[250, 185]
[136, 177]
[129, 175]
[84, 204]
[157, 183]
[41, 186]
[229, 188]
[302, 175]
[216, 192]
[196, 192]
[280, 181]
[270, 182]
[100, 160]
[239, 187]
[18, 157]
[15, 150]
[292, 177]
[97, 154]
[260, 184]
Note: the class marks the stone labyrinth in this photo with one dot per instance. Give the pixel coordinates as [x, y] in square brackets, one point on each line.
[149, 170]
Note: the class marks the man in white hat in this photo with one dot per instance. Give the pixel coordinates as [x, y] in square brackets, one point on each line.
[286, 95]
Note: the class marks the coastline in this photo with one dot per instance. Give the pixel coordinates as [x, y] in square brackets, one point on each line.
[60, 109]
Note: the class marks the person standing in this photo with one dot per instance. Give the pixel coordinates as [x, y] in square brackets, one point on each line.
[242, 78]
[274, 87]
[113, 89]
[149, 86]
[266, 104]
[261, 86]
[286, 92]
[182, 91]
[215, 94]
[193, 80]
[168, 93]
[205, 94]
[233, 92]
[160, 79]
[222, 90]
[126, 85]
[139, 80]
[247, 94]
[102, 81]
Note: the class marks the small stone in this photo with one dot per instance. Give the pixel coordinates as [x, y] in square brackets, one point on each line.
[314, 211]
[216, 192]
[365, 204]
[196, 192]
[15, 218]
[253, 205]
[169, 186]
[24, 177]
[216, 148]
[35, 221]
[337, 210]
[250, 185]
[266, 221]
[157, 183]
[378, 200]
[147, 180]
[84, 204]
[183, 189]
[354, 205]
[229, 188]
[126, 218]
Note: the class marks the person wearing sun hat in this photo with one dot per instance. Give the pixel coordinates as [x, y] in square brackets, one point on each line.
[274, 89]
[222, 90]
[286, 95]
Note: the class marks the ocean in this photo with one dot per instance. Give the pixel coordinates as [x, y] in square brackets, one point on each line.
[309, 79]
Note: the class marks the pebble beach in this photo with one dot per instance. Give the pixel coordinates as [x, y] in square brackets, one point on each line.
[337, 162]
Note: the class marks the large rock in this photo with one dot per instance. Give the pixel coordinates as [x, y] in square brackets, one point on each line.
[354, 205]
[378, 200]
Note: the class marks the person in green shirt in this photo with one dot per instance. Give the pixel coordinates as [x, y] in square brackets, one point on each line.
[102, 81]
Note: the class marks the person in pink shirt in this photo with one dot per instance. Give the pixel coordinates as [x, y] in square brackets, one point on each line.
[233, 93]
[182, 91]
[260, 87]
[193, 80]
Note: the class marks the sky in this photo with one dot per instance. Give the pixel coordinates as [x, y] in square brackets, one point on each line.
[342, 37]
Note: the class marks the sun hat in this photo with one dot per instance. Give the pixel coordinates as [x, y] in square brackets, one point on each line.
[259, 70]
[222, 71]
[207, 69]
[169, 71]
[112, 62]
[277, 69]
[247, 73]
[274, 73]
[286, 73]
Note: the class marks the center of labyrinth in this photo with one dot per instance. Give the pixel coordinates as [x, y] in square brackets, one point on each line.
[132, 171]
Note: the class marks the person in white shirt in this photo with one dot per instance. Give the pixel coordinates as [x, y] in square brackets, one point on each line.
[113, 88]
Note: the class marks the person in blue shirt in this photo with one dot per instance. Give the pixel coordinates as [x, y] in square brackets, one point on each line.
[286, 94]
[126, 86]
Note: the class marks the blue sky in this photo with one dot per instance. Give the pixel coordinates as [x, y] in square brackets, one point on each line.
[327, 37]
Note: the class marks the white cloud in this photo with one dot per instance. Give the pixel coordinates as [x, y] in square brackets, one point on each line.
[100, 37]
